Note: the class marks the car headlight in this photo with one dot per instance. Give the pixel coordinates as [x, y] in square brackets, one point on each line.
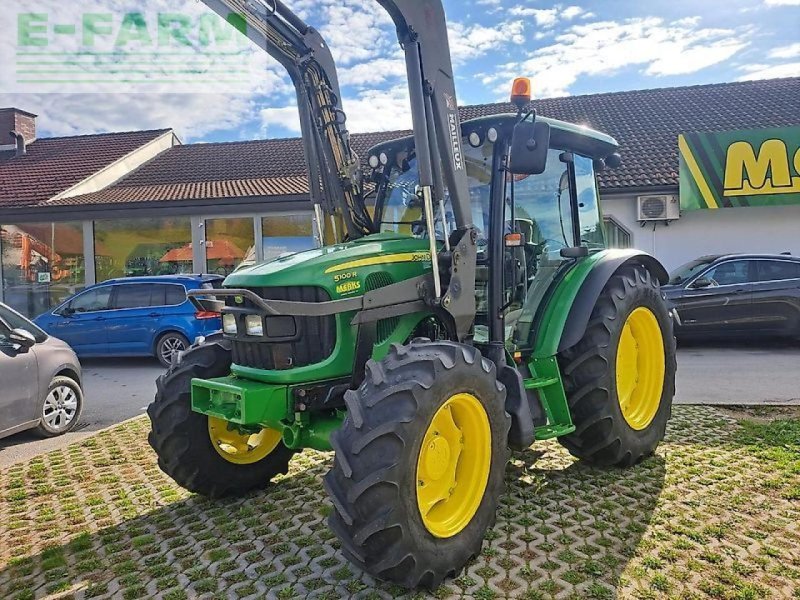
[229, 324]
[253, 325]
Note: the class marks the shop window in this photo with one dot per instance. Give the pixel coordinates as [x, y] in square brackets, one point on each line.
[229, 242]
[43, 264]
[617, 236]
[137, 247]
[285, 234]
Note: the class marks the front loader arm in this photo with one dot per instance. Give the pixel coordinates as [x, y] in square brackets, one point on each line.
[334, 170]
[422, 32]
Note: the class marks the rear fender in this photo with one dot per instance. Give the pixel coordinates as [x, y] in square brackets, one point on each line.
[581, 309]
[563, 319]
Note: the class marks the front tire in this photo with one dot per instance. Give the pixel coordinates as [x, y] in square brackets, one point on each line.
[203, 454]
[620, 378]
[419, 463]
[61, 408]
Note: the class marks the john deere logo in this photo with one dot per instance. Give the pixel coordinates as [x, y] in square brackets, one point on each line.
[766, 170]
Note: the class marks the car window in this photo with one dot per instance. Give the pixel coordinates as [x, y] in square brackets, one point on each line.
[132, 295]
[729, 273]
[93, 300]
[175, 294]
[11, 319]
[776, 270]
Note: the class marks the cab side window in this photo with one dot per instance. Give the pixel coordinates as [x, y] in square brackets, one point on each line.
[92, 301]
[542, 206]
[591, 224]
[731, 273]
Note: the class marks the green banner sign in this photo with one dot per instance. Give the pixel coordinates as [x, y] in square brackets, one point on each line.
[758, 167]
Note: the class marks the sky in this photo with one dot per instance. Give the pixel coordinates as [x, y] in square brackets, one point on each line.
[93, 66]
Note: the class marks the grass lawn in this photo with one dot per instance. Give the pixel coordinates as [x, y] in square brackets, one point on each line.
[715, 514]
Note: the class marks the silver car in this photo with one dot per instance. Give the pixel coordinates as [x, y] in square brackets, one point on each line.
[40, 379]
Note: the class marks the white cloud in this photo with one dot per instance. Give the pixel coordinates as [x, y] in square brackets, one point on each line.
[790, 51]
[285, 117]
[571, 12]
[471, 41]
[770, 71]
[371, 110]
[544, 17]
[606, 47]
[782, 2]
[373, 72]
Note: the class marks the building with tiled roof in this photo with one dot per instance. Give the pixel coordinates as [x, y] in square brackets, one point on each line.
[135, 197]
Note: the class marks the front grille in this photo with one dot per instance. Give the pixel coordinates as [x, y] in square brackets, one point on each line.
[313, 342]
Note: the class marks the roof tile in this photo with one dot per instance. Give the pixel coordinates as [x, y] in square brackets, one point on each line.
[53, 165]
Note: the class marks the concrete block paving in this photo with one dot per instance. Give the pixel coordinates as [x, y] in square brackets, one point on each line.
[715, 514]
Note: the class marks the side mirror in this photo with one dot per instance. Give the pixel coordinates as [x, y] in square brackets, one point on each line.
[22, 338]
[529, 145]
[700, 282]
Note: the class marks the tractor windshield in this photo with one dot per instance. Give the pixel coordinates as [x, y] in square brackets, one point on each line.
[401, 208]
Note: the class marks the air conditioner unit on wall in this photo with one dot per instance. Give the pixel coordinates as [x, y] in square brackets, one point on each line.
[663, 207]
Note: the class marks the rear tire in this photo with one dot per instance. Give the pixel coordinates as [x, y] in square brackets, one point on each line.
[169, 346]
[181, 437]
[606, 434]
[386, 453]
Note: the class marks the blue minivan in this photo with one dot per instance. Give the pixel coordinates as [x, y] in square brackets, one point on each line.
[136, 316]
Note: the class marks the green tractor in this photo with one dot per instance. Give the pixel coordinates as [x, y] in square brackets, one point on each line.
[461, 305]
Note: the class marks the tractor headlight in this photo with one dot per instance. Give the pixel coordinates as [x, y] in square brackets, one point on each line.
[491, 135]
[383, 158]
[229, 324]
[253, 325]
[374, 162]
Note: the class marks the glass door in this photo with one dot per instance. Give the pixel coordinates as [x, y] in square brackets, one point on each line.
[229, 242]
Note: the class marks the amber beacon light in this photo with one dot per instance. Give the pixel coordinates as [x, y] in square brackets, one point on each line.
[521, 92]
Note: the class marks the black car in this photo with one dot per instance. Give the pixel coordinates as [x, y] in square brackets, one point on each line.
[736, 295]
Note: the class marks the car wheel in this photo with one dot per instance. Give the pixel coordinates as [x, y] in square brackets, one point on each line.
[168, 346]
[61, 408]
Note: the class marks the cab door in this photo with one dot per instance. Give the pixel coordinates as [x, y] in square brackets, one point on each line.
[719, 300]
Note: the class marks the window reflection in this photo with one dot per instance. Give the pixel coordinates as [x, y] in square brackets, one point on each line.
[286, 234]
[228, 243]
[137, 247]
[43, 264]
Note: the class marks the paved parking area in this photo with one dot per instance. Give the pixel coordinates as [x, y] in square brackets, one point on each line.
[714, 515]
[115, 390]
[766, 373]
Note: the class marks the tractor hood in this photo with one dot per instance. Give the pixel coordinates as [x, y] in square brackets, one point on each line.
[327, 265]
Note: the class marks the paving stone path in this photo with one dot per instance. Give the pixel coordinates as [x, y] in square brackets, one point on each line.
[715, 514]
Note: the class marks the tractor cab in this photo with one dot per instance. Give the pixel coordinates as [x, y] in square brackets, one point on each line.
[543, 221]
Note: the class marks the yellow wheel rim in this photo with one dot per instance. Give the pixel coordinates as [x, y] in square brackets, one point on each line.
[453, 465]
[241, 448]
[640, 368]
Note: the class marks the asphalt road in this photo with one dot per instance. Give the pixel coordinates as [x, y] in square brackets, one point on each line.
[120, 389]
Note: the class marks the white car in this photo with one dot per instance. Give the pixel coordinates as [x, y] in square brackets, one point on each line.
[40, 379]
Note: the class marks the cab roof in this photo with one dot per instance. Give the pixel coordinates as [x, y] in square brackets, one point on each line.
[563, 136]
